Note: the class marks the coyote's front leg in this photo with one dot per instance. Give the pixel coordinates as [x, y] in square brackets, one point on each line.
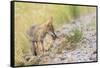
[34, 48]
[40, 48]
[43, 50]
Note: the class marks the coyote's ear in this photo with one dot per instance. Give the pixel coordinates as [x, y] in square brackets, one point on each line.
[50, 20]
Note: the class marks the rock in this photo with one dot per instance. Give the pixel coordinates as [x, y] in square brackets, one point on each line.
[32, 61]
[45, 60]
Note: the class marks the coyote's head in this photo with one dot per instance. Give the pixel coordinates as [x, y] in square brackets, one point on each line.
[50, 28]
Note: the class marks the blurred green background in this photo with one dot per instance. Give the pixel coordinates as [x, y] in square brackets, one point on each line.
[28, 14]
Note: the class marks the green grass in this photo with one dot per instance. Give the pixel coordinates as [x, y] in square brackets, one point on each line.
[71, 40]
[76, 36]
